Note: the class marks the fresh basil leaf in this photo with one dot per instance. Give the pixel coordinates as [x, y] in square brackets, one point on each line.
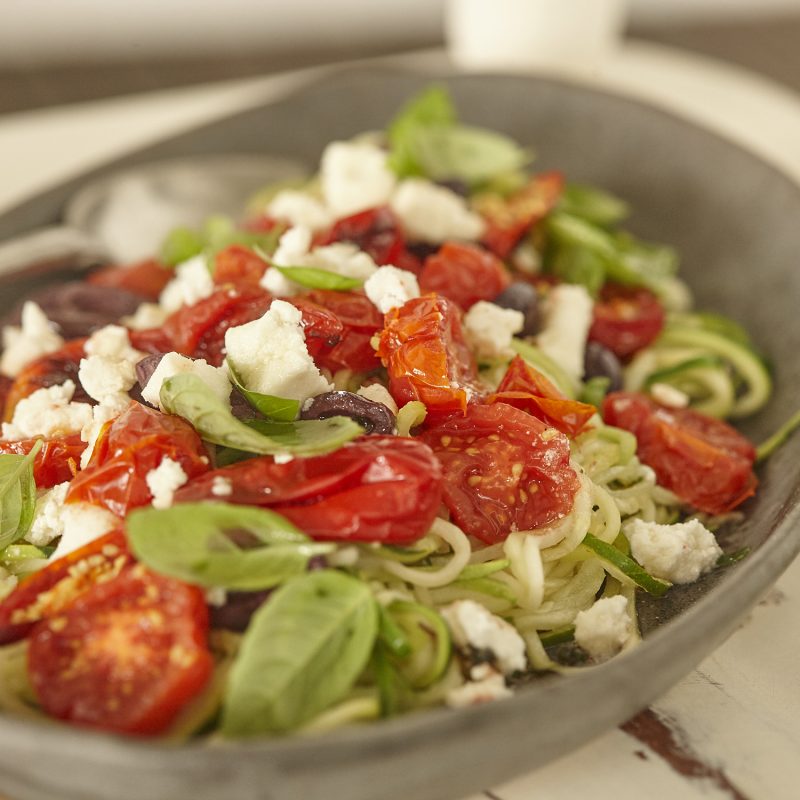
[180, 245]
[593, 205]
[187, 396]
[313, 278]
[303, 651]
[17, 495]
[577, 265]
[283, 409]
[191, 542]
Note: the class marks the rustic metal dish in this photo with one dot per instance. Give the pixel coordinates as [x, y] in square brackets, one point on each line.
[732, 218]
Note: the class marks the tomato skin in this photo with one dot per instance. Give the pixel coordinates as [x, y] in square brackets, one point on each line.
[56, 462]
[126, 656]
[626, 319]
[464, 273]
[526, 388]
[508, 219]
[129, 447]
[504, 471]
[705, 461]
[376, 489]
[145, 278]
[56, 586]
[423, 348]
[239, 266]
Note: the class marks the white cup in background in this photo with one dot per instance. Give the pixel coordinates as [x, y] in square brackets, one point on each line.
[572, 36]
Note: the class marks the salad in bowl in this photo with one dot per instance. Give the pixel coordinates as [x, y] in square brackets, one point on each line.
[417, 428]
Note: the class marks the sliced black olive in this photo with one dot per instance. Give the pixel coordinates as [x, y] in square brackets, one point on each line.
[522, 297]
[238, 608]
[374, 417]
[146, 367]
[600, 362]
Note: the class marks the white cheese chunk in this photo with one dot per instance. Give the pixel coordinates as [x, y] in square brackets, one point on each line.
[34, 338]
[147, 315]
[355, 176]
[292, 250]
[299, 208]
[679, 553]
[568, 317]
[192, 283]
[490, 329]
[472, 625]
[343, 258]
[48, 520]
[604, 629]
[48, 412]
[379, 394]
[432, 213]
[164, 481]
[390, 287]
[221, 486]
[485, 685]
[271, 357]
[216, 378]
[82, 523]
[109, 370]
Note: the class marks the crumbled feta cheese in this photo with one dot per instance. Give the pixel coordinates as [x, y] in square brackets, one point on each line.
[112, 342]
[526, 258]
[568, 318]
[679, 553]
[164, 481]
[271, 357]
[101, 414]
[48, 520]
[343, 258]
[379, 394]
[48, 412]
[433, 213]
[604, 629]
[484, 686]
[299, 208]
[82, 523]
[109, 370]
[669, 396]
[472, 625]
[216, 378]
[283, 458]
[293, 247]
[221, 486]
[147, 315]
[355, 176]
[490, 329]
[21, 345]
[390, 287]
[192, 283]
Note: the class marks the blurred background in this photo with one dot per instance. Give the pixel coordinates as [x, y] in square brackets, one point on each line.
[54, 52]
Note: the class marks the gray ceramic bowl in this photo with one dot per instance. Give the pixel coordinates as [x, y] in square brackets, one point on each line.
[733, 219]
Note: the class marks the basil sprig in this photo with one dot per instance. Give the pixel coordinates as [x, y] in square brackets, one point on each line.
[313, 278]
[282, 409]
[17, 495]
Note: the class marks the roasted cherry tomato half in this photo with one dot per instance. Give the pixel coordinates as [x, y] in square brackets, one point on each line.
[626, 319]
[464, 273]
[504, 471]
[526, 388]
[56, 462]
[707, 463]
[376, 489]
[55, 587]
[145, 278]
[239, 266]
[131, 446]
[126, 656]
[423, 348]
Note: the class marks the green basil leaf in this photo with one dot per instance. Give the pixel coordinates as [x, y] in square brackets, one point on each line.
[303, 651]
[187, 396]
[283, 409]
[180, 245]
[17, 495]
[577, 265]
[313, 278]
[593, 205]
[190, 541]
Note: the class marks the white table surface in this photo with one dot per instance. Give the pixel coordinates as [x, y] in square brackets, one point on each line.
[731, 729]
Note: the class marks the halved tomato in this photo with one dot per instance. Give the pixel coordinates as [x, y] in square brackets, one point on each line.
[145, 278]
[56, 462]
[239, 266]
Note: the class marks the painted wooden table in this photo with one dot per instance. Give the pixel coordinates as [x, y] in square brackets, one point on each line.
[729, 730]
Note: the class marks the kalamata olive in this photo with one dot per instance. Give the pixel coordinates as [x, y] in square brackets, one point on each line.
[146, 367]
[240, 408]
[422, 249]
[374, 417]
[600, 362]
[79, 308]
[522, 297]
[235, 613]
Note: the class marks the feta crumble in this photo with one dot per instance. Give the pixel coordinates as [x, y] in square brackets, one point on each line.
[216, 378]
[484, 686]
[379, 394]
[48, 522]
[472, 625]
[293, 247]
[271, 357]
[299, 208]
[82, 523]
[221, 486]
[568, 318]
[432, 213]
[164, 481]
[390, 287]
[48, 412]
[22, 344]
[678, 553]
[604, 629]
[355, 176]
[490, 329]
[147, 315]
[109, 370]
[192, 283]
